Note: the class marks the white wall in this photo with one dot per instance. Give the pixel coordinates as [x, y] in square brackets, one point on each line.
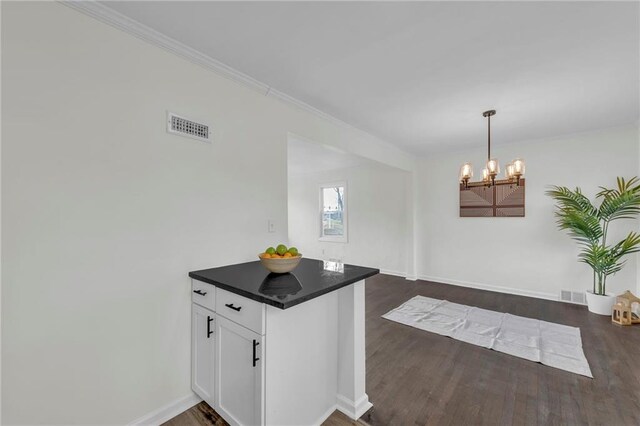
[104, 213]
[525, 255]
[377, 216]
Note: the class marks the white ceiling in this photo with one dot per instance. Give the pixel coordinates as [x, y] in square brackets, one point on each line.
[419, 74]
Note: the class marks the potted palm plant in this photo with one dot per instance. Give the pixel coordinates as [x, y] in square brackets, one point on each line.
[589, 225]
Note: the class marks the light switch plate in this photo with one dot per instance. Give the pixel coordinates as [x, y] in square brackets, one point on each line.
[271, 226]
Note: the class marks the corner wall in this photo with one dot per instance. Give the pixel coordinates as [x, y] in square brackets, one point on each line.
[527, 255]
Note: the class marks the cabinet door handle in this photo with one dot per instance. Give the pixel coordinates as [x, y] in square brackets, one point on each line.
[209, 332]
[235, 308]
[200, 292]
[255, 345]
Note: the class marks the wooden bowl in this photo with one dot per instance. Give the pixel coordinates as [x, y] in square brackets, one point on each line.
[280, 265]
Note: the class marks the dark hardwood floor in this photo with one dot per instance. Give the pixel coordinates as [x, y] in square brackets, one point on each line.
[416, 377]
[419, 378]
[198, 415]
[203, 415]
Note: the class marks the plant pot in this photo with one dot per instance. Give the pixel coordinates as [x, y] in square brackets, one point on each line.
[601, 305]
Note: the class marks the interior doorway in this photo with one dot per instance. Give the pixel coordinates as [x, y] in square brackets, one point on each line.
[346, 208]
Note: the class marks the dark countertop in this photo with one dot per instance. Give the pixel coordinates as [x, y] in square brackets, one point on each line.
[311, 278]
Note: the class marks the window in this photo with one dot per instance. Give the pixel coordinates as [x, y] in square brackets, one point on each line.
[333, 212]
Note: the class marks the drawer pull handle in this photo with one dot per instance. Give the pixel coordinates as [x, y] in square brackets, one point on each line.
[200, 292]
[235, 308]
[255, 345]
[209, 331]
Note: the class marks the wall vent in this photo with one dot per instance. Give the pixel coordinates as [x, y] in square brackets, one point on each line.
[183, 126]
[573, 297]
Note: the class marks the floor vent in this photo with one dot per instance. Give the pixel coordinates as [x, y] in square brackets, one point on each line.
[573, 296]
[183, 126]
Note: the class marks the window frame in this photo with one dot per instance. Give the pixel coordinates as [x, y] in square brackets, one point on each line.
[344, 238]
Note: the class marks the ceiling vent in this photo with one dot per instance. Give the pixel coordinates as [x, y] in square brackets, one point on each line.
[573, 297]
[183, 126]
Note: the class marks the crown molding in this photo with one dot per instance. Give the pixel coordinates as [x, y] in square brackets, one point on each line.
[122, 22]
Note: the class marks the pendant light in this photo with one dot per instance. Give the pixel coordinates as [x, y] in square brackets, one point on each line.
[513, 171]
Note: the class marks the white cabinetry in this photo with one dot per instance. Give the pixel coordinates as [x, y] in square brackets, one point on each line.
[240, 376]
[204, 295]
[257, 364]
[203, 352]
[227, 353]
[246, 312]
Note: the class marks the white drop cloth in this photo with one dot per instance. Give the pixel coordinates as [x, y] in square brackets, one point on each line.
[551, 344]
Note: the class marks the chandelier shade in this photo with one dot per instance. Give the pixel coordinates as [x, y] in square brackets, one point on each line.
[518, 167]
[493, 166]
[466, 171]
[485, 175]
[508, 171]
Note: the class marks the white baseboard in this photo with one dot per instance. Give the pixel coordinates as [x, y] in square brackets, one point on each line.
[169, 411]
[481, 286]
[399, 274]
[394, 273]
[354, 409]
[325, 416]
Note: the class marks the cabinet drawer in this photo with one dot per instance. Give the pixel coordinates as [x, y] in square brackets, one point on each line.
[241, 310]
[203, 294]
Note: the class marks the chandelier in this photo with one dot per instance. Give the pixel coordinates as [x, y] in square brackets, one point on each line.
[513, 172]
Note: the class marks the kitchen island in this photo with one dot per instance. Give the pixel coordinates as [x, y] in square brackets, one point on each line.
[280, 349]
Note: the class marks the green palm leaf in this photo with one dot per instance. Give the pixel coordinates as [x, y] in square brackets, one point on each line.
[582, 227]
[568, 199]
[620, 203]
[631, 244]
[592, 255]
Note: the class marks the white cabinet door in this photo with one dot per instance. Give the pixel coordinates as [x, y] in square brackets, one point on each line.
[203, 352]
[239, 373]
